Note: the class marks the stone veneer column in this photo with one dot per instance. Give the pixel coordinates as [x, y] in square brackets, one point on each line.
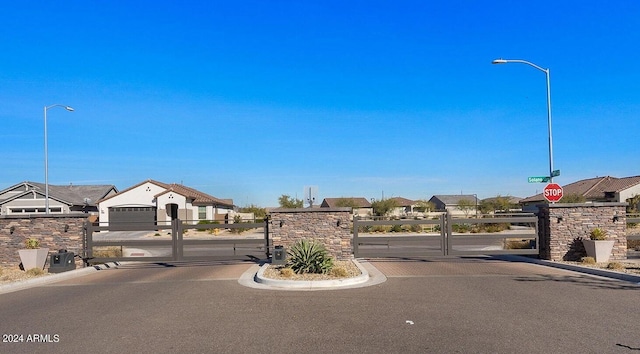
[563, 226]
[329, 226]
[55, 231]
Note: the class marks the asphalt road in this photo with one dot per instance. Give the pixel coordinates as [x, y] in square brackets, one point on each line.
[453, 305]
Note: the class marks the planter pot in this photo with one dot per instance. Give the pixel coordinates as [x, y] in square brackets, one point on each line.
[33, 258]
[600, 250]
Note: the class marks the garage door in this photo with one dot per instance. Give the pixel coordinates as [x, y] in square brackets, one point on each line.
[120, 217]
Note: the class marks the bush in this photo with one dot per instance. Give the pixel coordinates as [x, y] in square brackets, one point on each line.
[517, 244]
[339, 272]
[396, 228]
[32, 243]
[286, 272]
[462, 228]
[309, 257]
[615, 266]
[598, 234]
[416, 228]
[588, 260]
[34, 272]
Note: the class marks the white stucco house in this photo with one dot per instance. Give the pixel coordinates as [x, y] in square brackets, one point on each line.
[156, 202]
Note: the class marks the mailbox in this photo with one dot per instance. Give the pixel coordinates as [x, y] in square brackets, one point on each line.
[279, 255]
[61, 262]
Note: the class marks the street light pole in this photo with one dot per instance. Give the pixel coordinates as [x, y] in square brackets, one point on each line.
[546, 71]
[46, 156]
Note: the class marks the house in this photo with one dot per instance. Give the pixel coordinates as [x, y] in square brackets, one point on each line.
[404, 207]
[598, 189]
[30, 198]
[456, 205]
[361, 206]
[156, 202]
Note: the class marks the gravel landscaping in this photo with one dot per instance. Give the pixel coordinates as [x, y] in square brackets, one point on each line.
[273, 272]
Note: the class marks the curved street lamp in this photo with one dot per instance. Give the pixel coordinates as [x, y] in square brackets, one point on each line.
[46, 156]
[546, 71]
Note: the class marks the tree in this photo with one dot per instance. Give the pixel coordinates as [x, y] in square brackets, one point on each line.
[466, 206]
[258, 212]
[286, 201]
[424, 206]
[573, 198]
[346, 202]
[383, 207]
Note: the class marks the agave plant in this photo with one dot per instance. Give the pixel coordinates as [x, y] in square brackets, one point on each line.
[309, 257]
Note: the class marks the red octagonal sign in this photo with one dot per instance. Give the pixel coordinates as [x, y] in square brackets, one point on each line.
[552, 192]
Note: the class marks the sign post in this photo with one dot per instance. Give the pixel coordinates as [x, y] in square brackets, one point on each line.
[552, 192]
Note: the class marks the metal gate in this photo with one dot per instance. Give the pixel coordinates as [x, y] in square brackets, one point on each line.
[165, 243]
[446, 236]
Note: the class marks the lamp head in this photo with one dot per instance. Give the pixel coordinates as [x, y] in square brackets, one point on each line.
[499, 61]
[70, 109]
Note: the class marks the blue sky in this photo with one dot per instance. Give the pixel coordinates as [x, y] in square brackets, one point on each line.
[253, 99]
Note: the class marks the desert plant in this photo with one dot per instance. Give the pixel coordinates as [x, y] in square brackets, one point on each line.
[34, 272]
[588, 260]
[309, 257]
[339, 272]
[511, 244]
[286, 272]
[32, 243]
[396, 228]
[598, 234]
[615, 266]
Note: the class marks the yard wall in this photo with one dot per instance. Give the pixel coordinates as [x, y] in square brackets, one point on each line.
[54, 232]
[329, 226]
[563, 226]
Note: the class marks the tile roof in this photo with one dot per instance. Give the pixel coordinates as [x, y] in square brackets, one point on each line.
[358, 201]
[592, 188]
[452, 199]
[403, 202]
[199, 198]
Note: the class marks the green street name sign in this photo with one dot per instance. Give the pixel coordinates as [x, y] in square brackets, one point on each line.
[539, 179]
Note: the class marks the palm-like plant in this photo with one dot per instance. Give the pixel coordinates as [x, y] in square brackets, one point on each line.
[309, 257]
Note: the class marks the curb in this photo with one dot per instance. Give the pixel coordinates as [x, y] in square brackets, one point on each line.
[55, 277]
[254, 278]
[576, 268]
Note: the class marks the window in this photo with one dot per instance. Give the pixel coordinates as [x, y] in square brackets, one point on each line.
[202, 213]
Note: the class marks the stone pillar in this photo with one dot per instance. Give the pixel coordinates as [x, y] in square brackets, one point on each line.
[55, 231]
[561, 228]
[328, 226]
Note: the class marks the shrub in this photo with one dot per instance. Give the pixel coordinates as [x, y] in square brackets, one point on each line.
[107, 252]
[309, 257]
[286, 272]
[615, 266]
[462, 228]
[32, 243]
[34, 272]
[416, 228]
[339, 272]
[511, 244]
[598, 234]
[588, 260]
[396, 228]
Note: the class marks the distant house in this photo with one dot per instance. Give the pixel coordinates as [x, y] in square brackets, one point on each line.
[156, 202]
[30, 198]
[450, 203]
[361, 206]
[404, 207]
[598, 189]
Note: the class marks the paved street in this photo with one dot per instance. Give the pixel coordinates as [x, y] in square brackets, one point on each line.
[440, 305]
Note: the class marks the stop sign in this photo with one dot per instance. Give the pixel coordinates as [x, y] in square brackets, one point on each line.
[552, 192]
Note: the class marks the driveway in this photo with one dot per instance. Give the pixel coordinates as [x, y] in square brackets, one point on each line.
[440, 305]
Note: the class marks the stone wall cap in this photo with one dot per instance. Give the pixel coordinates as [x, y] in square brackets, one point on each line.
[309, 210]
[594, 204]
[43, 216]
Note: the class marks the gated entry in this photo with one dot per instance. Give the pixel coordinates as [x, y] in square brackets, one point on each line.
[446, 236]
[166, 243]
